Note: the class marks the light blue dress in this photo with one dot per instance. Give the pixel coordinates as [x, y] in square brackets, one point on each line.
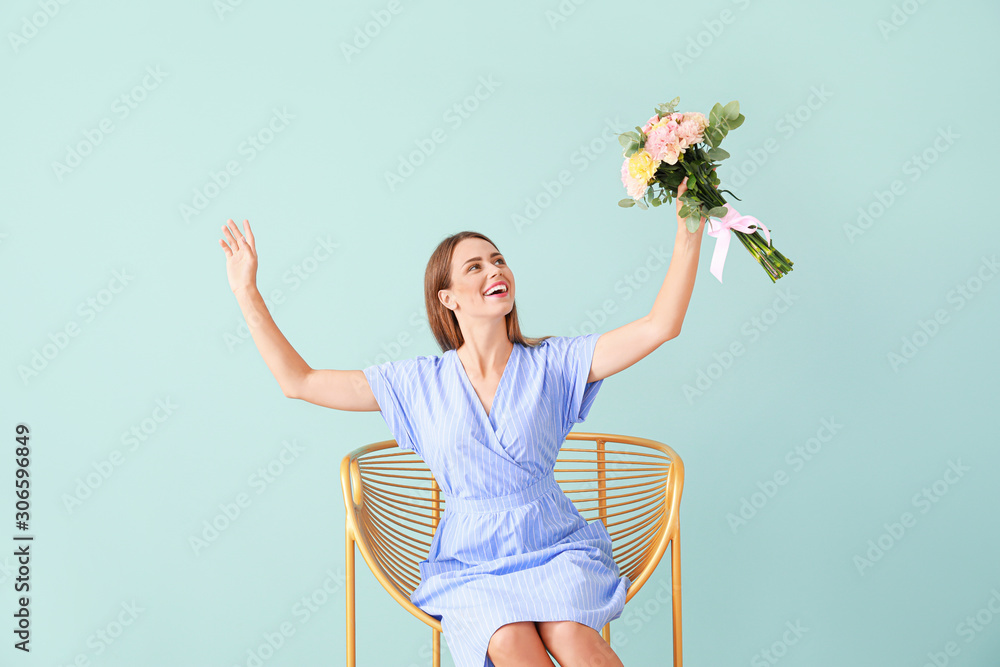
[510, 545]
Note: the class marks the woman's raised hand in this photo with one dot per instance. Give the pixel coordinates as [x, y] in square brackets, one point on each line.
[241, 256]
[681, 224]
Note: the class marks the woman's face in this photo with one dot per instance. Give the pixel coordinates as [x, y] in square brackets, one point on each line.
[475, 267]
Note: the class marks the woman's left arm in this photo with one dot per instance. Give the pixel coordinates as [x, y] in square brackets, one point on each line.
[672, 301]
[619, 348]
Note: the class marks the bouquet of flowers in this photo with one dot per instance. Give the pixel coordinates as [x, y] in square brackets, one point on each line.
[673, 146]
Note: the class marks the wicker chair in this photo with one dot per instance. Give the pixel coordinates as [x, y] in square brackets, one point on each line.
[633, 485]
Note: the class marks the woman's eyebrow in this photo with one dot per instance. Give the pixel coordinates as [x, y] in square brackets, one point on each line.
[479, 259]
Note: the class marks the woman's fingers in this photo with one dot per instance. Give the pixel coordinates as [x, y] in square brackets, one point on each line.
[249, 234]
[234, 234]
[236, 239]
[229, 237]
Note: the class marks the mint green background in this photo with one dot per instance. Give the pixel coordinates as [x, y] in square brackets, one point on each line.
[164, 335]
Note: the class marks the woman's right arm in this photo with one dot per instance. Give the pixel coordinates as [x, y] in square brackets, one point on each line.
[341, 390]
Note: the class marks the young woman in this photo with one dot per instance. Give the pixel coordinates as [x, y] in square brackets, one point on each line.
[514, 572]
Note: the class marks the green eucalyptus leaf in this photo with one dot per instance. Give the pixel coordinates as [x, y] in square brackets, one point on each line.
[625, 203]
[717, 212]
[732, 110]
[642, 205]
[716, 154]
[624, 140]
[656, 202]
[692, 224]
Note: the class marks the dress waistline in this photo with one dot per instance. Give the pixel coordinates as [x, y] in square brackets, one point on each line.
[499, 503]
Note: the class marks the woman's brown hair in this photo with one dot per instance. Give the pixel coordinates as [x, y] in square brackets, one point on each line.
[444, 323]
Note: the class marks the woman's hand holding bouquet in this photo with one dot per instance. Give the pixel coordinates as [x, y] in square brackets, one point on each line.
[674, 155]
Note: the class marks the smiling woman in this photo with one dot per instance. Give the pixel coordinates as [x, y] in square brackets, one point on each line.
[514, 571]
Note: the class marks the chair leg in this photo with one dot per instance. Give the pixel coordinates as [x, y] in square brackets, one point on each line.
[349, 560]
[436, 646]
[606, 632]
[675, 577]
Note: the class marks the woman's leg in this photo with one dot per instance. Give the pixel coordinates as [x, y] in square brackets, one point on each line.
[517, 645]
[577, 645]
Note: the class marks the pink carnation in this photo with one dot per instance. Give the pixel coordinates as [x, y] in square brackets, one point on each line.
[649, 124]
[694, 116]
[671, 153]
[689, 133]
[657, 142]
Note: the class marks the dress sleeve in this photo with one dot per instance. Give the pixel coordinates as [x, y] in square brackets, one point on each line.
[393, 384]
[575, 356]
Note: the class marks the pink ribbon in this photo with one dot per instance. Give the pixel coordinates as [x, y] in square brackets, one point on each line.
[735, 222]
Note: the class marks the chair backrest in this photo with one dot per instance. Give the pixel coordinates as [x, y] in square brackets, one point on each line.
[632, 485]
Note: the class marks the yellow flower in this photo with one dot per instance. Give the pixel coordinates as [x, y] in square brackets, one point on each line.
[641, 166]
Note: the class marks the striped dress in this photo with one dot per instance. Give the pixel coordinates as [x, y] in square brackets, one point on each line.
[510, 545]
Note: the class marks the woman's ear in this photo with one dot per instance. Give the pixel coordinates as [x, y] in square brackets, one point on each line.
[443, 298]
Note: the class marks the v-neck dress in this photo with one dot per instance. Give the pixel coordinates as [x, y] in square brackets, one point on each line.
[510, 545]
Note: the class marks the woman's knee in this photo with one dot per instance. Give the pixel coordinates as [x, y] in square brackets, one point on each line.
[560, 632]
[513, 640]
[575, 644]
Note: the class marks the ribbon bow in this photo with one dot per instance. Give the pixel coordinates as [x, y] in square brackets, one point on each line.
[735, 222]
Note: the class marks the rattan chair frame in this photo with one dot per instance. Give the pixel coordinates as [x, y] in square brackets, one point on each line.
[374, 498]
